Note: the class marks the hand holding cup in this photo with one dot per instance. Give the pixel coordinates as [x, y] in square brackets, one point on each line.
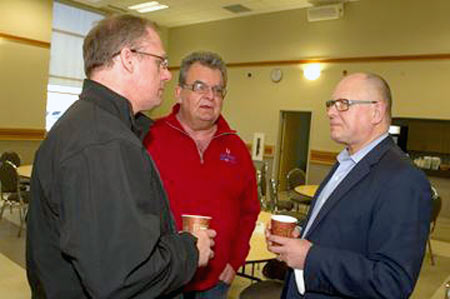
[282, 225]
[199, 226]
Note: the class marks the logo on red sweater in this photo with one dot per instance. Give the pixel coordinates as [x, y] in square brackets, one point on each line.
[228, 157]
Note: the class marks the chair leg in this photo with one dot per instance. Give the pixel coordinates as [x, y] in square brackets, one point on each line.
[2, 210]
[430, 251]
[22, 221]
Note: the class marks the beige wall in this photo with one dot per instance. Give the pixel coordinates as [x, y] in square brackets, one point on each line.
[24, 70]
[24, 66]
[369, 28]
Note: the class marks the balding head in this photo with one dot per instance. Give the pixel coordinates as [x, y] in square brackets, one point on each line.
[382, 89]
[362, 111]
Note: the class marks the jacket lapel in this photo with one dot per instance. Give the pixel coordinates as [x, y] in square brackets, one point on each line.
[316, 195]
[359, 172]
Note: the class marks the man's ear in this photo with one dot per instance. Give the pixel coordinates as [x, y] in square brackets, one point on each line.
[379, 112]
[178, 90]
[126, 59]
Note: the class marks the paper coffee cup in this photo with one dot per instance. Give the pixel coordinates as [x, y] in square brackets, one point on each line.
[283, 225]
[192, 223]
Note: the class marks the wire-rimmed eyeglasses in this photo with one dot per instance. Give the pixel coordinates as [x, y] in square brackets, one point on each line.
[203, 88]
[163, 61]
[344, 104]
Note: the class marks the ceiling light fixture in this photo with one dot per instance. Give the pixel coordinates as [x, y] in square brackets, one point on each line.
[148, 6]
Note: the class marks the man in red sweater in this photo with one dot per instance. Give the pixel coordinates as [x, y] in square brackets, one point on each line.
[207, 170]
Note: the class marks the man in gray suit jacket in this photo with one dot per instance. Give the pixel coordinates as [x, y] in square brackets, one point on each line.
[366, 231]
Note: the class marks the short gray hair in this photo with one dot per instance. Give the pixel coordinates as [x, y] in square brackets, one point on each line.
[383, 88]
[208, 59]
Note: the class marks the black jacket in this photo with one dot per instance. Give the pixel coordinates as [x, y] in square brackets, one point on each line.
[99, 224]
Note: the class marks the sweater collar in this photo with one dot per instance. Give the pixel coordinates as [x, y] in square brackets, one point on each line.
[117, 105]
[222, 125]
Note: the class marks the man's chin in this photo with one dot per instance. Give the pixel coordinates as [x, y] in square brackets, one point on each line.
[154, 103]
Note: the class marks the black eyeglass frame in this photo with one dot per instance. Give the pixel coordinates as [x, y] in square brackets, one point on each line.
[344, 104]
[221, 92]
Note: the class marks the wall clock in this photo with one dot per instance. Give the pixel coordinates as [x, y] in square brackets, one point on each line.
[276, 75]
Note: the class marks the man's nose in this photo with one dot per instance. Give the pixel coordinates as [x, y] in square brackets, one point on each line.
[331, 111]
[166, 75]
[210, 93]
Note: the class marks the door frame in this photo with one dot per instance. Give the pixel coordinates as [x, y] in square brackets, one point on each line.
[277, 156]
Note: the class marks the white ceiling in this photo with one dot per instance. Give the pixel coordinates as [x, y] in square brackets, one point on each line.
[186, 12]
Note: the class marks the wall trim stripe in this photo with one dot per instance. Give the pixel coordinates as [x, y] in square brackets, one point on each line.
[442, 56]
[323, 157]
[68, 33]
[21, 134]
[65, 78]
[25, 40]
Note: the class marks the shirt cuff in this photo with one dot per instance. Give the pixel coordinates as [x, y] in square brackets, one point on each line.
[300, 281]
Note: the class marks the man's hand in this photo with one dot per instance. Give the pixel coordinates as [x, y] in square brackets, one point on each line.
[227, 274]
[291, 251]
[295, 233]
[204, 243]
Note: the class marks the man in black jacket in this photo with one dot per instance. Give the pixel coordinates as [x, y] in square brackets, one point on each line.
[99, 224]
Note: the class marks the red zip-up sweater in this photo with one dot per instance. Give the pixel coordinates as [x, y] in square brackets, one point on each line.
[220, 184]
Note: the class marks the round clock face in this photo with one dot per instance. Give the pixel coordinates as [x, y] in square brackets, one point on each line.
[276, 75]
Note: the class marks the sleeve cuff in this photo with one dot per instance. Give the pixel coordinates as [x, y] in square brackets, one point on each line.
[299, 281]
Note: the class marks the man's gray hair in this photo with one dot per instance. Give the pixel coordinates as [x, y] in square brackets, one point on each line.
[208, 59]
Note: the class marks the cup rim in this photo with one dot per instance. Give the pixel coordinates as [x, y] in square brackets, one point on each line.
[284, 218]
[196, 216]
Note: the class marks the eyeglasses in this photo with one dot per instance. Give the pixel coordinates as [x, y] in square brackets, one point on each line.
[163, 61]
[344, 104]
[203, 88]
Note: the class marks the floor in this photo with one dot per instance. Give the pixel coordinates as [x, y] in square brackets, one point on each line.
[13, 283]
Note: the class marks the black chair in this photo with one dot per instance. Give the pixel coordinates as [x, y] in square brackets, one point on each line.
[294, 178]
[278, 204]
[13, 157]
[436, 208]
[12, 193]
[261, 179]
[274, 271]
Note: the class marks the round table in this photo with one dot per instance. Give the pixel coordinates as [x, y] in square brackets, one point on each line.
[25, 170]
[307, 190]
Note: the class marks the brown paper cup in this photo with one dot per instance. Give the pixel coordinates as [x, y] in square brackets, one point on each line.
[283, 225]
[192, 223]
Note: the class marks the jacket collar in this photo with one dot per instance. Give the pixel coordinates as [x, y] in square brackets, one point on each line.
[116, 105]
[359, 172]
[222, 125]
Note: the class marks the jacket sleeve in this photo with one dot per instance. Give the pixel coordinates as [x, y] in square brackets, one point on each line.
[395, 247]
[249, 210]
[111, 220]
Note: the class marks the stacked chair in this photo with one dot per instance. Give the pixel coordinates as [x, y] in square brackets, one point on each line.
[261, 179]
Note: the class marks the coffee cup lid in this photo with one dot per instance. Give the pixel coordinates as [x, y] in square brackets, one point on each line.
[196, 216]
[284, 218]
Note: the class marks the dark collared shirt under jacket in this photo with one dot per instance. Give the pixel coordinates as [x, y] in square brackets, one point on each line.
[99, 224]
